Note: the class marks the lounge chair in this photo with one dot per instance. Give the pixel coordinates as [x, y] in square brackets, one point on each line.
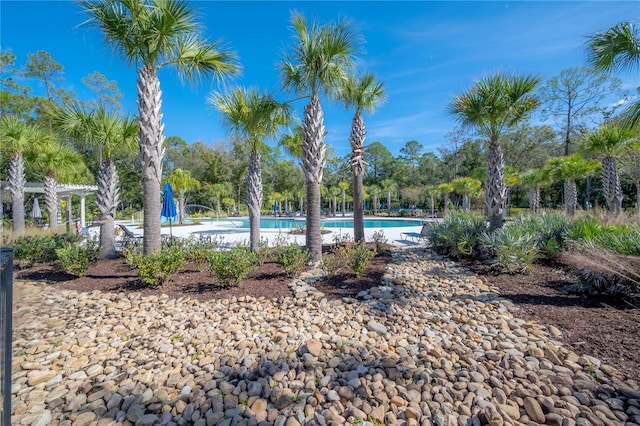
[418, 237]
[128, 237]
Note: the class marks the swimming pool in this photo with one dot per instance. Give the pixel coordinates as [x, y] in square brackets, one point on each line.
[285, 222]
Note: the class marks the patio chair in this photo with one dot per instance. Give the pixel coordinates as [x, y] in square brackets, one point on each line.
[128, 237]
[418, 237]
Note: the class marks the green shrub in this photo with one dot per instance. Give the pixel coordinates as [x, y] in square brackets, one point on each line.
[291, 257]
[198, 252]
[230, 266]
[158, 268]
[551, 231]
[380, 241]
[75, 259]
[458, 234]
[358, 258]
[332, 263]
[34, 249]
[512, 249]
[622, 239]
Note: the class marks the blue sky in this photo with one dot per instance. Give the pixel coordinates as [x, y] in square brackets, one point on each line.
[424, 52]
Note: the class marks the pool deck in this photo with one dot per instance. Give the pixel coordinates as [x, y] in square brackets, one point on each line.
[226, 234]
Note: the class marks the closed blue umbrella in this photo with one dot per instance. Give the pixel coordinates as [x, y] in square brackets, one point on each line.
[168, 206]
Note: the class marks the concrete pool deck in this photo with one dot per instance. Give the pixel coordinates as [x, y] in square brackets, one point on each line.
[227, 234]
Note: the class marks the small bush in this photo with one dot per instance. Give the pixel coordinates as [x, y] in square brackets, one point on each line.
[332, 263]
[229, 267]
[34, 249]
[512, 250]
[75, 259]
[198, 252]
[158, 268]
[380, 241]
[458, 234]
[291, 257]
[358, 258]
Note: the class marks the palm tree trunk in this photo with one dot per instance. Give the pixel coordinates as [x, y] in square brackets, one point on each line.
[301, 201]
[375, 204]
[466, 202]
[532, 200]
[254, 199]
[570, 197]
[446, 204]
[107, 199]
[358, 209]
[389, 203]
[496, 192]
[335, 205]
[433, 206]
[313, 158]
[611, 186]
[51, 199]
[180, 207]
[150, 140]
[344, 203]
[359, 167]
[17, 183]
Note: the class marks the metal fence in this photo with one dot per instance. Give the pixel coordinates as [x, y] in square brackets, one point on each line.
[6, 299]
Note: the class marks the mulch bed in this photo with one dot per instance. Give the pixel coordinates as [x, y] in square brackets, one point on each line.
[596, 325]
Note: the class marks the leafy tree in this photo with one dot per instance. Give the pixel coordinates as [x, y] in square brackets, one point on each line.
[18, 137]
[109, 135]
[380, 161]
[608, 143]
[254, 117]
[530, 147]
[181, 182]
[568, 170]
[573, 97]
[465, 159]
[15, 98]
[317, 61]
[151, 35]
[107, 92]
[467, 187]
[492, 106]
[617, 49]
[363, 93]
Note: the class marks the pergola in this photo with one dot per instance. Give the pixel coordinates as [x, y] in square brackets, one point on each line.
[63, 190]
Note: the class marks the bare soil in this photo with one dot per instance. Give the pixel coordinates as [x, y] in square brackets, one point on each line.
[600, 326]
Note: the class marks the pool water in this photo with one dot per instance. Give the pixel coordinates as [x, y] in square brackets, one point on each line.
[283, 223]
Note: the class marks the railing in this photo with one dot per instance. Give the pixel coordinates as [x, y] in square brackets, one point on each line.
[6, 300]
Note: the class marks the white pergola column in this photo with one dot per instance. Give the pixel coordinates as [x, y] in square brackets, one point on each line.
[83, 222]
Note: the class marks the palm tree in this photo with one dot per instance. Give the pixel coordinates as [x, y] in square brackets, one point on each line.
[364, 94]
[630, 167]
[317, 63]
[389, 187]
[608, 143]
[375, 193]
[151, 34]
[181, 182]
[534, 179]
[343, 188]
[492, 106]
[18, 137]
[56, 159]
[254, 117]
[219, 190]
[468, 187]
[617, 49]
[445, 190]
[568, 170]
[431, 192]
[110, 135]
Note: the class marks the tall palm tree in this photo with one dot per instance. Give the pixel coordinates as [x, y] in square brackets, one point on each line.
[317, 63]
[534, 179]
[389, 187]
[617, 49]
[110, 135]
[151, 34]
[56, 160]
[375, 191]
[343, 191]
[608, 143]
[468, 187]
[568, 170]
[219, 190]
[18, 137]
[492, 106]
[431, 192]
[363, 93]
[181, 182]
[254, 117]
